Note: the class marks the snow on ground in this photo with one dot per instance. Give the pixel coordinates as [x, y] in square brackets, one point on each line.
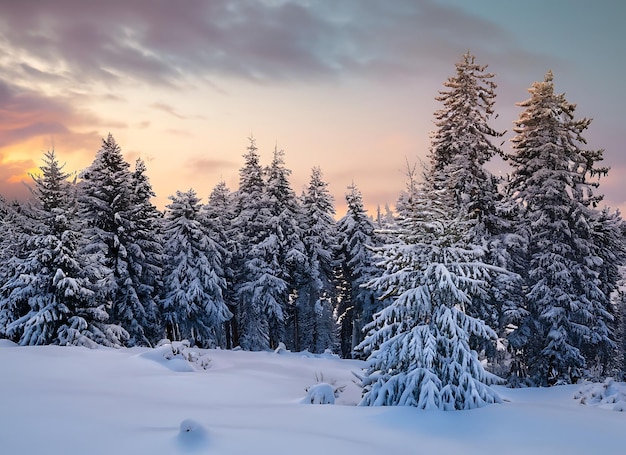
[63, 400]
[609, 395]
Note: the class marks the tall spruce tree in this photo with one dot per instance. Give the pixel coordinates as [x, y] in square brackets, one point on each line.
[193, 305]
[356, 238]
[218, 215]
[15, 231]
[259, 281]
[315, 320]
[418, 344]
[145, 252]
[461, 145]
[570, 270]
[284, 213]
[462, 142]
[112, 212]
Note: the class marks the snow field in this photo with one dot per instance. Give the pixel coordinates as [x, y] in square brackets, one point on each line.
[68, 400]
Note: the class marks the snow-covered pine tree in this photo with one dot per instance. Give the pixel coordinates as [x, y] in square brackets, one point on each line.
[462, 142]
[418, 345]
[15, 230]
[107, 201]
[356, 238]
[384, 221]
[604, 360]
[284, 213]
[461, 145]
[145, 254]
[259, 281]
[217, 215]
[6, 240]
[193, 305]
[315, 320]
[570, 271]
[52, 279]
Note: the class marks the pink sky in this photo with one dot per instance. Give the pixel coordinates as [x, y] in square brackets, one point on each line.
[348, 85]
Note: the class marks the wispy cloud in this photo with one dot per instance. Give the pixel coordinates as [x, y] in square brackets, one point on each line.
[199, 165]
[264, 41]
[31, 122]
[12, 178]
[179, 132]
[167, 108]
[25, 114]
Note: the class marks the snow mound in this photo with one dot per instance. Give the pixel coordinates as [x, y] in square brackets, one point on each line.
[327, 354]
[192, 436]
[609, 395]
[281, 348]
[322, 393]
[178, 356]
[7, 344]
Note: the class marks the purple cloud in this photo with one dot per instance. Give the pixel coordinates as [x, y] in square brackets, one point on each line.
[169, 42]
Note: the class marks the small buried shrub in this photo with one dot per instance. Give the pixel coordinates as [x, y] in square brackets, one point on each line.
[323, 392]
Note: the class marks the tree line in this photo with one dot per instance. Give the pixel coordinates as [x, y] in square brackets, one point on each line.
[522, 272]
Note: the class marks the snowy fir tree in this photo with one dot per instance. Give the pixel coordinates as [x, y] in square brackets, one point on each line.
[418, 345]
[314, 313]
[15, 231]
[608, 245]
[384, 220]
[218, 215]
[461, 145]
[51, 287]
[108, 205]
[357, 304]
[193, 305]
[13, 224]
[570, 270]
[145, 251]
[259, 280]
[284, 213]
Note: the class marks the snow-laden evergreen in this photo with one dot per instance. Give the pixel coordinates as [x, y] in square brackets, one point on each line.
[315, 319]
[217, 215]
[290, 257]
[51, 292]
[573, 249]
[358, 304]
[14, 234]
[112, 202]
[145, 261]
[461, 145]
[259, 283]
[418, 345]
[193, 306]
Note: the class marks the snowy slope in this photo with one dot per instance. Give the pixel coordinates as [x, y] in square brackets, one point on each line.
[59, 400]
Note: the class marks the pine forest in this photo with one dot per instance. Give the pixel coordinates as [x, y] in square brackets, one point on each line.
[471, 280]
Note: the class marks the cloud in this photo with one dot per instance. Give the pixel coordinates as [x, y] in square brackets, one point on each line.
[172, 111]
[199, 165]
[167, 108]
[13, 174]
[179, 132]
[169, 43]
[28, 114]
[31, 123]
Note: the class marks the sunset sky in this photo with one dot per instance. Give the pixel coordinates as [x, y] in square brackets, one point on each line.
[348, 85]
